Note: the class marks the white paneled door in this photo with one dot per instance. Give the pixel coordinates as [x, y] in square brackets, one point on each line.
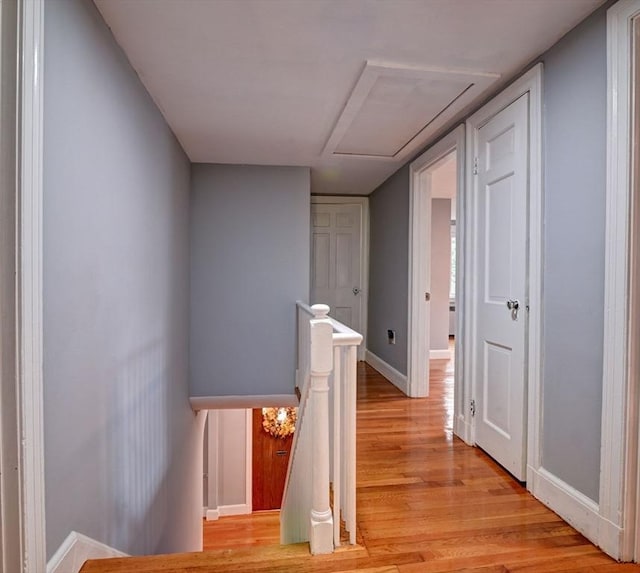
[501, 192]
[336, 251]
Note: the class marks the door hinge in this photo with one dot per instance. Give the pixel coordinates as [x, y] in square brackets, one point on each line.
[472, 408]
[475, 165]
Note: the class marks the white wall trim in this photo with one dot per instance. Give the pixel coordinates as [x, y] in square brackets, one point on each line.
[618, 488]
[214, 511]
[213, 514]
[462, 429]
[531, 83]
[75, 550]
[574, 507]
[439, 354]
[29, 284]
[364, 255]
[241, 402]
[213, 462]
[418, 334]
[248, 497]
[398, 379]
[235, 509]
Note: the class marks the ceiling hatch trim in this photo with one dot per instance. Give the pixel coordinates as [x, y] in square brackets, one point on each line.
[394, 108]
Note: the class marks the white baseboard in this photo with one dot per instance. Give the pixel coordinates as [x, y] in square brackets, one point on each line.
[462, 429]
[574, 507]
[215, 513]
[610, 540]
[444, 354]
[237, 509]
[75, 550]
[398, 379]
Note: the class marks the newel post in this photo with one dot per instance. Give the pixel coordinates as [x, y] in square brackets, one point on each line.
[321, 528]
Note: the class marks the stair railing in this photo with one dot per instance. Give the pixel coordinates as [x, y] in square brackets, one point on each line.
[323, 454]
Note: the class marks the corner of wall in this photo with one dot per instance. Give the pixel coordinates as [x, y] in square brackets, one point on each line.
[398, 379]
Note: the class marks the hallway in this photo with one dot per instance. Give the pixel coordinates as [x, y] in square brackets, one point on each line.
[426, 503]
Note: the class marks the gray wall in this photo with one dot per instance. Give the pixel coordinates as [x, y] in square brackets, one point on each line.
[388, 264]
[440, 272]
[574, 143]
[249, 264]
[574, 211]
[123, 450]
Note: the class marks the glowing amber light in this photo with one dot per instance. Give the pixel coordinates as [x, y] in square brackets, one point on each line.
[279, 422]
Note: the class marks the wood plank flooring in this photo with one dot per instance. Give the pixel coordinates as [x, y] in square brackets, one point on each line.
[426, 503]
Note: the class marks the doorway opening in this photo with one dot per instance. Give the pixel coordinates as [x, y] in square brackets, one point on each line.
[436, 270]
[246, 455]
[444, 188]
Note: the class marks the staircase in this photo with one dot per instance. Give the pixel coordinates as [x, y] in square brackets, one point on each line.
[319, 500]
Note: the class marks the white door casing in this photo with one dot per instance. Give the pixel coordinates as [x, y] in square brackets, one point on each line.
[419, 270]
[338, 259]
[619, 496]
[23, 530]
[500, 259]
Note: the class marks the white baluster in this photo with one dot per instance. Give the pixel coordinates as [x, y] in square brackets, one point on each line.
[350, 382]
[321, 528]
[337, 443]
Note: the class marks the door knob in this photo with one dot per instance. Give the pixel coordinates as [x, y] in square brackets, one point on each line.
[513, 306]
[356, 290]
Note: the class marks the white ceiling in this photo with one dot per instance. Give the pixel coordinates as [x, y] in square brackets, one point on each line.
[351, 88]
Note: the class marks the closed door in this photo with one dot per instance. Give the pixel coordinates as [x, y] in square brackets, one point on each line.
[335, 260]
[501, 189]
[270, 461]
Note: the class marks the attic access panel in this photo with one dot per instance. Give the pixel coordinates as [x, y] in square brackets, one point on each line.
[393, 109]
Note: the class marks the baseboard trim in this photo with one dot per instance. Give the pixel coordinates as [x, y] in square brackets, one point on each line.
[462, 429]
[444, 354]
[398, 379]
[237, 509]
[610, 539]
[75, 550]
[574, 507]
[215, 513]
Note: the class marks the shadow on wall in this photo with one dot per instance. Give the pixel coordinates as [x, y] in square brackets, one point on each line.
[139, 457]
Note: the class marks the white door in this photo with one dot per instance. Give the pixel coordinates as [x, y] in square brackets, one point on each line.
[335, 260]
[501, 190]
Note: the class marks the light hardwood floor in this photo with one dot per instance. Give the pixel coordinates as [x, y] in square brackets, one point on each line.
[426, 502]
